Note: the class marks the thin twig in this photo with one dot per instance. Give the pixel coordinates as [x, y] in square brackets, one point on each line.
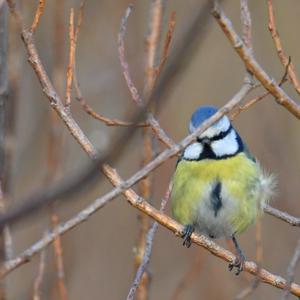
[252, 65]
[259, 257]
[290, 274]
[147, 252]
[159, 132]
[281, 215]
[157, 8]
[121, 48]
[59, 261]
[167, 44]
[46, 84]
[37, 16]
[79, 19]
[56, 139]
[89, 110]
[79, 96]
[140, 288]
[71, 58]
[40, 275]
[247, 25]
[255, 100]
[284, 59]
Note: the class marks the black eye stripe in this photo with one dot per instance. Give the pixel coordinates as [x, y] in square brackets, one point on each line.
[218, 137]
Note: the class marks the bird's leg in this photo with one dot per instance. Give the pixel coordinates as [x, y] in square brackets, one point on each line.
[186, 235]
[240, 258]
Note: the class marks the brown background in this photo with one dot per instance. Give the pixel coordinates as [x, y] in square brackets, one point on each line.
[99, 253]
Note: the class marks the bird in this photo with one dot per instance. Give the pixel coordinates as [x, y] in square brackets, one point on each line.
[218, 188]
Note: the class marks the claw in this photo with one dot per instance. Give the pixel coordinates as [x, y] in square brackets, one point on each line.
[238, 264]
[186, 235]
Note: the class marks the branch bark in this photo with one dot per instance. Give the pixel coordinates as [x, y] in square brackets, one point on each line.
[252, 65]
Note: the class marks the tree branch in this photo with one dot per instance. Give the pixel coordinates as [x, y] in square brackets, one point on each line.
[291, 271]
[284, 59]
[252, 65]
[294, 221]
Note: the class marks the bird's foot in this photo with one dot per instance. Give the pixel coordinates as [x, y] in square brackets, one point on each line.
[237, 264]
[240, 259]
[186, 235]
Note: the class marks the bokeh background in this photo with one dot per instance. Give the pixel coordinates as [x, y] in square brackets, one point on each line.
[99, 254]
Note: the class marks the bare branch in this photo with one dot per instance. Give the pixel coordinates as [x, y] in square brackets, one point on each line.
[247, 25]
[141, 283]
[148, 248]
[56, 142]
[133, 91]
[294, 221]
[284, 59]
[71, 58]
[47, 86]
[159, 132]
[38, 14]
[80, 19]
[255, 100]
[167, 44]
[79, 96]
[40, 275]
[252, 65]
[107, 121]
[291, 271]
[152, 44]
[59, 261]
[259, 257]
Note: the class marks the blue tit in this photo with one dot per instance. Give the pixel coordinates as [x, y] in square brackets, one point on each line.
[219, 188]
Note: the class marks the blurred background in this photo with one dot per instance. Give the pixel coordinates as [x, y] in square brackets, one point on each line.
[99, 254]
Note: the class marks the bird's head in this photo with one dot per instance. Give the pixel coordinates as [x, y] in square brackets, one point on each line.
[202, 114]
[220, 140]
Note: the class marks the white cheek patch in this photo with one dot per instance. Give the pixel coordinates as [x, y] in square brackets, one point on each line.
[193, 151]
[221, 126]
[226, 146]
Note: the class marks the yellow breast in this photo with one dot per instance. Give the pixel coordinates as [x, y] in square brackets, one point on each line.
[239, 177]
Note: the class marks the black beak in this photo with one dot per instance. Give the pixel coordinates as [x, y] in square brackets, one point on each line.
[206, 141]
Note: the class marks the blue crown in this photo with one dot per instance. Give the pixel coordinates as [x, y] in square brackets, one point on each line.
[201, 114]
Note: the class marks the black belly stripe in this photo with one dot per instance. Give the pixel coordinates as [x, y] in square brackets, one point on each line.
[216, 199]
